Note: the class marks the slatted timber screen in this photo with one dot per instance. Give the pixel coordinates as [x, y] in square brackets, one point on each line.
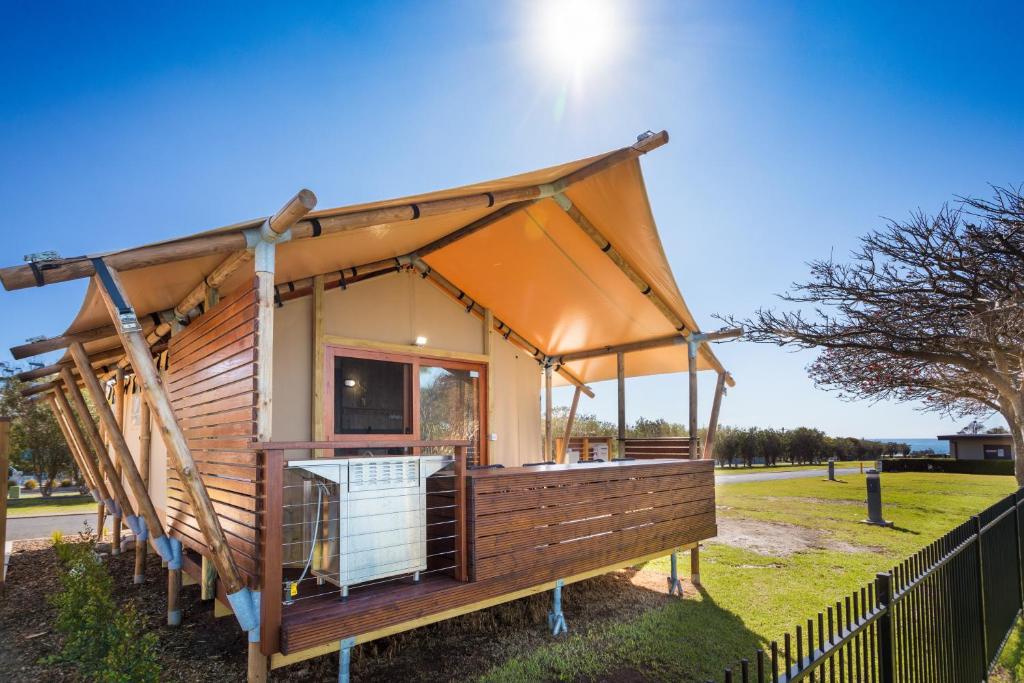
[582, 518]
[660, 447]
[212, 382]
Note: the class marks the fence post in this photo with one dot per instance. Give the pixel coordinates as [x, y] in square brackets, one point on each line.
[883, 589]
[980, 568]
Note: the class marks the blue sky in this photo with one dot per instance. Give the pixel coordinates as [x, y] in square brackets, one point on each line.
[795, 128]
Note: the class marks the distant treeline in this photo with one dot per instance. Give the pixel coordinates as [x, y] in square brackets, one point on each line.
[735, 446]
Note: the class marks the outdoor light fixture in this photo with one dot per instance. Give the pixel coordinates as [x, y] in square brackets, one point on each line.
[350, 383]
[421, 341]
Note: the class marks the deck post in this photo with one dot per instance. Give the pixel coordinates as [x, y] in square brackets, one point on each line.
[345, 659]
[675, 586]
[556, 618]
[716, 405]
[620, 368]
[695, 564]
[548, 430]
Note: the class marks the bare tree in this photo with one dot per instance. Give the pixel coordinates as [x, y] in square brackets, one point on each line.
[929, 309]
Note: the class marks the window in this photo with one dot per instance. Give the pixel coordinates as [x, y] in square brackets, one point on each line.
[996, 452]
[372, 396]
[378, 395]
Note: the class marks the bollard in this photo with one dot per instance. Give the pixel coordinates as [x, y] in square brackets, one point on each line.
[875, 500]
[831, 469]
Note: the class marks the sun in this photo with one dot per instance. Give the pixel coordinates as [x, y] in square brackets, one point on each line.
[578, 36]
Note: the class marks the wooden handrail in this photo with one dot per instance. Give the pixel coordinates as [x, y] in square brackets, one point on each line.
[332, 445]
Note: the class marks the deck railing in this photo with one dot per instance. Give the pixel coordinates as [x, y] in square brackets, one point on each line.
[941, 615]
[355, 517]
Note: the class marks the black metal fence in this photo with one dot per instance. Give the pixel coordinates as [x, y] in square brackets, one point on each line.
[940, 615]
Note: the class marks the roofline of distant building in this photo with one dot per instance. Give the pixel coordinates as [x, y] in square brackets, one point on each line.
[950, 437]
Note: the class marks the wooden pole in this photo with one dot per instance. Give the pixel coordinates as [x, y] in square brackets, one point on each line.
[120, 447]
[145, 454]
[568, 426]
[61, 401]
[548, 427]
[5, 448]
[230, 242]
[620, 373]
[691, 371]
[114, 486]
[487, 456]
[317, 426]
[76, 451]
[695, 565]
[115, 540]
[173, 596]
[155, 393]
[709, 442]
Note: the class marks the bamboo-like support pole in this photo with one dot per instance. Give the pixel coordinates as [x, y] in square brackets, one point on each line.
[691, 372]
[73, 447]
[96, 359]
[548, 428]
[487, 457]
[153, 526]
[317, 425]
[716, 404]
[5, 453]
[101, 491]
[568, 427]
[173, 596]
[620, 378]
[145, 455]
[119, 497]
[155, 393]
[115, 531]
[62, 341]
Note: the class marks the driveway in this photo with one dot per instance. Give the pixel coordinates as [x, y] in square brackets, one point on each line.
[793, 474]
[20, 528]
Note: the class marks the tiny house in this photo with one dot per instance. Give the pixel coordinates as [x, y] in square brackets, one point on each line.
[338, 421]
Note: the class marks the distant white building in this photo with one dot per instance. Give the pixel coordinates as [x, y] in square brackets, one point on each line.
[972, 444]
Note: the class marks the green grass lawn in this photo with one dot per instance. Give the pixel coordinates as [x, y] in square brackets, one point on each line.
[59, 502]
[759, 469]
[749, 598]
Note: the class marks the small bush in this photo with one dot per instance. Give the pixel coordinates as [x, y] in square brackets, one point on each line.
[65, 483]
[31, 484]
[105, 643]
[947, 465]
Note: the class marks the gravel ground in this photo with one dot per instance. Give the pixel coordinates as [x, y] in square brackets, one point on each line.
[208, 649]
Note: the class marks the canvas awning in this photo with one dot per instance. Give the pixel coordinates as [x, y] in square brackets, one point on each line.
[536, 268]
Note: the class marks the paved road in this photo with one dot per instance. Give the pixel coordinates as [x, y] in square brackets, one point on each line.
[19, 528]
[792, 474]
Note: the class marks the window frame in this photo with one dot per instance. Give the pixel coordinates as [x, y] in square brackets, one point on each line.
[416, 360]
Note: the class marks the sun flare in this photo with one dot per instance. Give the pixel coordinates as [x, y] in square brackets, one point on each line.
[578, 35]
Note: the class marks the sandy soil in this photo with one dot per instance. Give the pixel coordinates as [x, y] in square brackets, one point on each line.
[776, 539]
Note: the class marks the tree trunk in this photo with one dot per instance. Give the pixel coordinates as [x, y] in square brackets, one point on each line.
[1017, 432]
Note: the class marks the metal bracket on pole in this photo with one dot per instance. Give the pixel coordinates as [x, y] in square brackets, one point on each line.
[556, 619]
[675, 585]
[345, 659]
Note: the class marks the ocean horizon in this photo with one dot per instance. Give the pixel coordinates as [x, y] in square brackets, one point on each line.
[917, 445]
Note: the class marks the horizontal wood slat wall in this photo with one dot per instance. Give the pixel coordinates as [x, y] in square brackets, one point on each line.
[553, 519]
[212, 382]
[661, 447]
[640, 509]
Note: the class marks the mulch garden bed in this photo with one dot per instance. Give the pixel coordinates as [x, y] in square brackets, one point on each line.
[209, 649]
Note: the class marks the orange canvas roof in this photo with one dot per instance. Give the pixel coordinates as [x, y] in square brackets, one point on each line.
[536, 269]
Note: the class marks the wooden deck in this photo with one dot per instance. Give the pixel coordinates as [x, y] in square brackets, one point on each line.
[528, 527]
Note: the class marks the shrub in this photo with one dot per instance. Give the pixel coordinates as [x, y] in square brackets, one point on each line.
[65, 483]
[948, 465]
[105, 643]
[31, 484]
